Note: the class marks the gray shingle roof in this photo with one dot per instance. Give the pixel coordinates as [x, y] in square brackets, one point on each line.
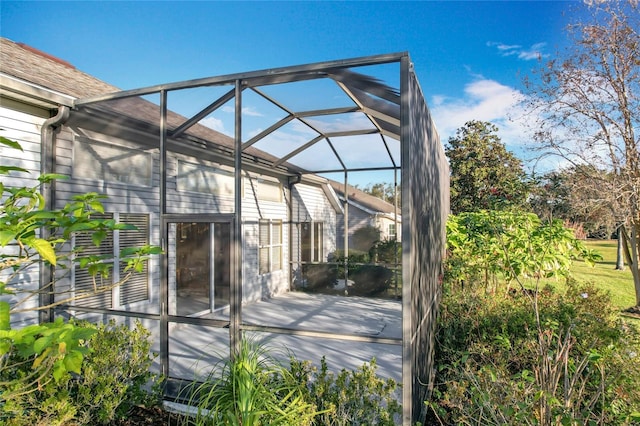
[32, 65]
[362, 198]
[39, 68]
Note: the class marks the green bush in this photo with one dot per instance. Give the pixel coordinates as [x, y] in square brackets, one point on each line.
[349, 398]
[388, 251]
[535, 358]
[320, 276]
[370, 280]
[114, 378]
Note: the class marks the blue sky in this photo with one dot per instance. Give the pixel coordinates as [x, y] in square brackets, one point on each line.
[470, 57]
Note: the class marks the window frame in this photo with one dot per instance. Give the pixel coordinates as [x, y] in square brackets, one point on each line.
[274, 248]
[312, 242]
[79, 167]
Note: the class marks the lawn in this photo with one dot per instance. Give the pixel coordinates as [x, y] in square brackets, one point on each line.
[619, 284]
[604, 274]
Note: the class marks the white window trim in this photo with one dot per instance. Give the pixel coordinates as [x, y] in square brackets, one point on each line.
[271, 246]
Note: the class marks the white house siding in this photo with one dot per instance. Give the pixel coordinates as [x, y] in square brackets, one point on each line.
[121, 198]
[383, 222]
[309, 203]
[190, 202]
[256, 286]
[358, 218]
[22, 123]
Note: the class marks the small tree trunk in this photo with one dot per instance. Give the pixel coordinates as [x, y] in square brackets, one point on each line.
[619, 255]
[635, 254]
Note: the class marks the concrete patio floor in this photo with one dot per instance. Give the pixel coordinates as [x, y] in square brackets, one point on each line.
[194, 349]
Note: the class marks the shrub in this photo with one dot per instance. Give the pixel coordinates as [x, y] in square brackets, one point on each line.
[320, 276]
[370, 280]
[541, 358]
[486, 246]
[388, 251]
[349, 398]
[113, 379]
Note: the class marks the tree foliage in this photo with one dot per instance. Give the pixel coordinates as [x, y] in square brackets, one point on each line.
[588, 103]
[484, 175]
[489, 245]
[566, 195]
[384, 191]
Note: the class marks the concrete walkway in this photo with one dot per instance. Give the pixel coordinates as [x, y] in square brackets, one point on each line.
[195, 349]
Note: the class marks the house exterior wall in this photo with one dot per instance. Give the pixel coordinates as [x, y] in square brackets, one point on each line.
[122, 197]
[256, 286]
[22, 123]
[383, 223]
[309, 204]
[358, 219]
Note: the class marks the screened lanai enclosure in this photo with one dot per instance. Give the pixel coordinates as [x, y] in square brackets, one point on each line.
[229, 175]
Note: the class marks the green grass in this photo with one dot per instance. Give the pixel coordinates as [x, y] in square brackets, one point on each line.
[619, 284]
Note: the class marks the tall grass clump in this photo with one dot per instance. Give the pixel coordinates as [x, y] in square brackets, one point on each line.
[255, 389]
[252, 388]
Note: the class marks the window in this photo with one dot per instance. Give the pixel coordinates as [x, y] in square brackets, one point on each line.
[136, 289]
[269, 191]
[312, 241]
[270, 246]
[392, 231]
[205, 179]
[113, 163]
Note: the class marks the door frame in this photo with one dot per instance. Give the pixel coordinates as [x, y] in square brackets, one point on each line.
[195, 218]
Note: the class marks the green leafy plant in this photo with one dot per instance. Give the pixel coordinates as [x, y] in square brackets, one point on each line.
[491, 246]
[33, 236]
[251, 389]
[356, 397]
[113, 377]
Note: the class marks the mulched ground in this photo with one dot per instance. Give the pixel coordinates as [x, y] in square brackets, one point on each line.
[143, 416]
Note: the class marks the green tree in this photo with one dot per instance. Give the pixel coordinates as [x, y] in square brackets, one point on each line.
[587, 100]
[484, 175]
[568, 195]
[385, 191]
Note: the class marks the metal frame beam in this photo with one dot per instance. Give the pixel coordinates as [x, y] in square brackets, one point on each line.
[255, 78]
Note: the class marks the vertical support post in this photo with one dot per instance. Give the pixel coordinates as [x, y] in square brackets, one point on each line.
[164, 282]
[395, 237]
[235, 310]
[407, 264]
[346, 233]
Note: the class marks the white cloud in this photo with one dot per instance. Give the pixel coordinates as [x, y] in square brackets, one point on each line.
[248, 110]
[215, 124]
[485, 100]
[536, 51]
